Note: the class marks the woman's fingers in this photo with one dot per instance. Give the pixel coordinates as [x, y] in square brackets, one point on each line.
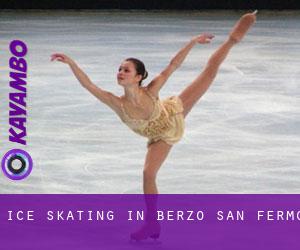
[58, 57]
[209, 38]
[208, 35]
[205, 38]
[53, 58]
[58, 54]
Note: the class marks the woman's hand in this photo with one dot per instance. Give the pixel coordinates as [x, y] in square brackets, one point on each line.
[203, 38]
[61, 58]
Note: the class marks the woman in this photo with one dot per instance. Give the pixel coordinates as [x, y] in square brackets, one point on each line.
[140, 108]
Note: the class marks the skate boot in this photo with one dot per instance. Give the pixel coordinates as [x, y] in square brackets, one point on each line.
[149, 229]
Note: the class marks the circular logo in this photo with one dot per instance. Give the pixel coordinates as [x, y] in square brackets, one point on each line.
[16, 164]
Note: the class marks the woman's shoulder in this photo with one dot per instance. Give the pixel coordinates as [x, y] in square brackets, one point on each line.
[150, 92]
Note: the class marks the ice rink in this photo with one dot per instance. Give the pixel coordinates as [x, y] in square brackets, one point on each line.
[242, 137]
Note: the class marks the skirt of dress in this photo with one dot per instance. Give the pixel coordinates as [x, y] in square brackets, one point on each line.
[174, 108]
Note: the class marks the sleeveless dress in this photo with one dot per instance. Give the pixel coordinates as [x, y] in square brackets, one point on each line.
[165, 123]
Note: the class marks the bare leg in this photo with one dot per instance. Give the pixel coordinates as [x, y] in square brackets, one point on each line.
[157, 153]
[198, 87]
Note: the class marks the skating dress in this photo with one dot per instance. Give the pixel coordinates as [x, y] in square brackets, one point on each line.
[165, 123]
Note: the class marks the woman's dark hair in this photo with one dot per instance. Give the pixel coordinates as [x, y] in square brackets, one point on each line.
[139, 67]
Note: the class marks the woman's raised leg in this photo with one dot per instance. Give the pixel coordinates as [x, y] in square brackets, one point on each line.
[198, 87]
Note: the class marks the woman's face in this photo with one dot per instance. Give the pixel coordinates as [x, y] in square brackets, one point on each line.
[127, 74]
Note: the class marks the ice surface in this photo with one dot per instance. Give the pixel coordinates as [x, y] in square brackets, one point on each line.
[242, 137]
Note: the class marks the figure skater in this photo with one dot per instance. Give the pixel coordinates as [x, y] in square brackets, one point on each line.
[161, 121]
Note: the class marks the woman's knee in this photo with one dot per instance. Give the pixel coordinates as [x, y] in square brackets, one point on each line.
[149, 175]
[211, 69]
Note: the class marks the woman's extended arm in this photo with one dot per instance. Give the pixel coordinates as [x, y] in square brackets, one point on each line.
[104, 96]
[156, 84]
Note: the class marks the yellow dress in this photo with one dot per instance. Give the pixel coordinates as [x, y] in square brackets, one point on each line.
[165, 123]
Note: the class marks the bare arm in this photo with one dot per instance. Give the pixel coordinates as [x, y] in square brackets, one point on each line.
[157, 83]
[106, 97]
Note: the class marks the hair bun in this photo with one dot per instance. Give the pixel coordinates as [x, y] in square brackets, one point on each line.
[145, 75]
[139, 67]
